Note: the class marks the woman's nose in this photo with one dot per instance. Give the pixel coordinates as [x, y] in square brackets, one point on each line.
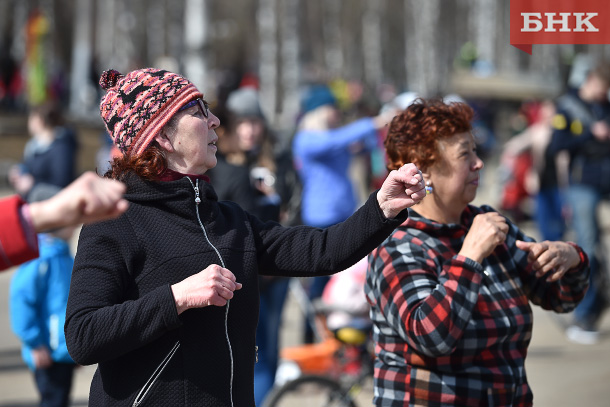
[478, 163]
[213, 121]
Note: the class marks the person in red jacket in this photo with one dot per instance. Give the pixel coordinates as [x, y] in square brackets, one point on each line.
[88, 199]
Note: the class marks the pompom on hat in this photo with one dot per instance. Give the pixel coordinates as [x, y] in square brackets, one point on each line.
[136, 106]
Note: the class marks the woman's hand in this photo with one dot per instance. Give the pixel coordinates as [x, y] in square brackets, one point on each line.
[212, 286]
[487, 231]
[21, 181]
[41, 357]
[402, 189]
[547, 256]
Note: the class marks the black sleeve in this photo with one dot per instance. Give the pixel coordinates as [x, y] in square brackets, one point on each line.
[302, 251]
[101, 324]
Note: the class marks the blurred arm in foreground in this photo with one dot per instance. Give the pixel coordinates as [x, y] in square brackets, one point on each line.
[88, 199]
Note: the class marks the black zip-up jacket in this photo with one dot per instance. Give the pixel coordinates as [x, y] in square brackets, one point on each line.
[121, 312]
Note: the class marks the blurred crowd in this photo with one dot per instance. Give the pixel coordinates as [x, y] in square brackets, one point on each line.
[554, 170]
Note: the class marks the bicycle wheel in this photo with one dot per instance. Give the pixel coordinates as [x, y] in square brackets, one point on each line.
[310, 391]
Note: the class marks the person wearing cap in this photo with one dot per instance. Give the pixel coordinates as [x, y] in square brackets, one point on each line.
[38, 295]
[322, 151]
[246, 169]
[165, 298]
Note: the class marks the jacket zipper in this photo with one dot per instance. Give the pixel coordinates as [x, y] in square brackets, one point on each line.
[222, 263]
[153, 379]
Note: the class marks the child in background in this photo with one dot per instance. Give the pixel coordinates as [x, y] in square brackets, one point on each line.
[37, 301]
[344, 295]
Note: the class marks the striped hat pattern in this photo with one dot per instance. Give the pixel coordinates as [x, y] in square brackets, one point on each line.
[136, 106]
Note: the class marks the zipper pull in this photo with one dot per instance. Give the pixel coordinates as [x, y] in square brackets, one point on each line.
[196, 187]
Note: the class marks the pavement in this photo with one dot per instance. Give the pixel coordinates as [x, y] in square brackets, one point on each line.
[561, 373]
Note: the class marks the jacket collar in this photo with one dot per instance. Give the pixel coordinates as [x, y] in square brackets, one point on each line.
[415, 220]
[177, 197]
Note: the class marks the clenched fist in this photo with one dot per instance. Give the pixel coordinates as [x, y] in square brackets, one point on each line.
[487, 231]
[402, 189]
[213, 285]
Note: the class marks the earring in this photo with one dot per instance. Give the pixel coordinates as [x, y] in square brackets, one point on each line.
[429, 188]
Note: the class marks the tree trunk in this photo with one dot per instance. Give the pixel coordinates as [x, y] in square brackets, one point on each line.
[332, 38]
[175, 31]
[422, 60]
[267, 31]
[291, 74]
[104, 36]
[20, 18]
[484, 19]
[372, 44]
[196, 34]
[155, 30]
[123, 37]
[81, 89]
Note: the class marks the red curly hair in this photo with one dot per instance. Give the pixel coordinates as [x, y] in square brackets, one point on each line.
[149, 165]
[414, 133]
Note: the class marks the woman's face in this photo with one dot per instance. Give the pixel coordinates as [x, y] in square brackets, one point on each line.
[35, 124]
[193, 141]
[249, 133]
[455, 177]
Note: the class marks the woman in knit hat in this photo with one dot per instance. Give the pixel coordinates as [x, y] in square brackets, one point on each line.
[165, 298]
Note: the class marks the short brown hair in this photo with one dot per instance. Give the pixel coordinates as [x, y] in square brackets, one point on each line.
[49, 112]
[602, 71]
[414, 133]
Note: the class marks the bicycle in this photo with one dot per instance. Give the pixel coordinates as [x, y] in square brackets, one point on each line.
[329, 373]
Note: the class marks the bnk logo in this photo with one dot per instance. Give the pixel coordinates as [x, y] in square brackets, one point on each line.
[559, 22]
[568, 22]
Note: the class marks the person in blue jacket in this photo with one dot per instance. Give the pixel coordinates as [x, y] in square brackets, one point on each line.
[37, 300]
[322, 151]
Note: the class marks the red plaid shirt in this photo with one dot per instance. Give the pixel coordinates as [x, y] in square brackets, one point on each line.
[450, 331]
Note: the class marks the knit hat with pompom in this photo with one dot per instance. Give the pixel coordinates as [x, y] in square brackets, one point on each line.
[136, 106]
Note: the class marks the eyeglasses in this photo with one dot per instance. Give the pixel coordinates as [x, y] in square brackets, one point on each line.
[203, 106]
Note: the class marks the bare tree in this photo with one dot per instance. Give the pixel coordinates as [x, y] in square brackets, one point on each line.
[81, 90]
[484, 17]
[332, 38]
[421, 45]
[104, 35]
[372, 42]
[20, 18]
[196, 37]
[155, 29]
[290, 68]
[175, 30]
[124, 46]
[266, 19]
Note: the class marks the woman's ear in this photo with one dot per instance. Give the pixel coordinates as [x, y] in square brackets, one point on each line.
[164, 142]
